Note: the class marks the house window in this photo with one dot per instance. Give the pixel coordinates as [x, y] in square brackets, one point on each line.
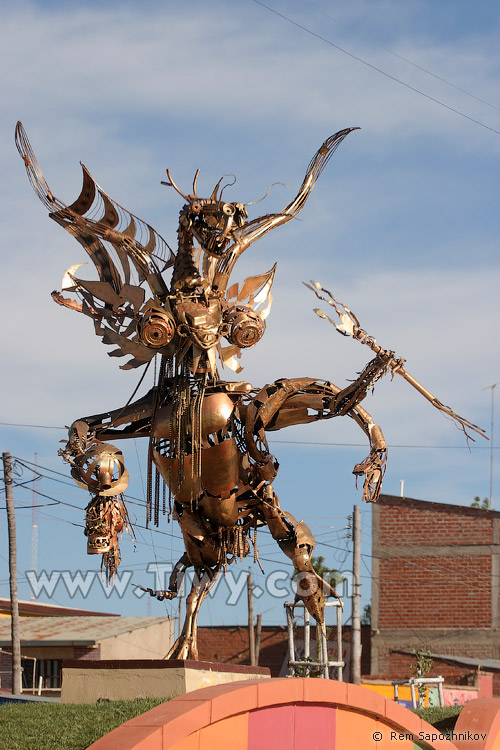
[50, 671]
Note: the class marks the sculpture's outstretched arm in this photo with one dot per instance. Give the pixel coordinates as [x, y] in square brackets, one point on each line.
[349, 326]
[135, 419]
[301, 400]
[100, 468]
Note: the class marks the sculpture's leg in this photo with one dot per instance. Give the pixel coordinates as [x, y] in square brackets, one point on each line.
[186, 646]
[297, 542]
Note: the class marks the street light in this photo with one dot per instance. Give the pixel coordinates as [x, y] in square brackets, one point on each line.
[492, 387]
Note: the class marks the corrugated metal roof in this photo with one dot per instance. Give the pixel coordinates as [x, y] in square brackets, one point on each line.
[40, 609]
[484, 663]
[73, 631]
[468, 661]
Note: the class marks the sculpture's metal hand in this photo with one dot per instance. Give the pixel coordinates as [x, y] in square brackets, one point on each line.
[349, 325]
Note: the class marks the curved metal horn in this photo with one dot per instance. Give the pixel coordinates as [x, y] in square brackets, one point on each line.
[213, 197]
[257, 228]
[171, 183]
[195, 180]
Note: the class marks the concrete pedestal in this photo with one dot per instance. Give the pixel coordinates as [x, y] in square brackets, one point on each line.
[89, 681]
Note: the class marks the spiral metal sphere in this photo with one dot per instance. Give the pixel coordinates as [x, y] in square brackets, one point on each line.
[156, 329]
[247, 329]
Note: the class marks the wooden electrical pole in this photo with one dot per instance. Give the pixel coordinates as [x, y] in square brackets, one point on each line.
[258, 634]
[14, 606]
[356, 598]
[251, 631]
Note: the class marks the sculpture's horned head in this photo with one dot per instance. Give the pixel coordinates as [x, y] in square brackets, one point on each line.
[186, 319]
[209, 220]
[199, 311]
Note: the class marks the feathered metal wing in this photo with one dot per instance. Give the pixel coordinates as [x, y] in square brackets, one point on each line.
[127, 253]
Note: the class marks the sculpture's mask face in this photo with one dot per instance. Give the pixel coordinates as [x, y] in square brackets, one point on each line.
[192, 324]
[211, 222]
[200, 321]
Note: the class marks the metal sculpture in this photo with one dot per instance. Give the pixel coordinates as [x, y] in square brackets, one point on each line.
[207, 435]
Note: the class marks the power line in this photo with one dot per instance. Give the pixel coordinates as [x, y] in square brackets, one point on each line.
[400, 57]
[391, 446]
[288, 442]
[38, 426]
[378, 70]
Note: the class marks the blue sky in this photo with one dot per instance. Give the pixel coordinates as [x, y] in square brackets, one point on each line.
[402, 226]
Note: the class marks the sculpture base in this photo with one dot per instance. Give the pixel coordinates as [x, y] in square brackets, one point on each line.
[121, 679]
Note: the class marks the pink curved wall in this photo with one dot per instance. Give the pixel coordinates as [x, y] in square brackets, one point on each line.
[293, 714]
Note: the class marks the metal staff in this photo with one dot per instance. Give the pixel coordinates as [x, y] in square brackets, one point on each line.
[349, 326]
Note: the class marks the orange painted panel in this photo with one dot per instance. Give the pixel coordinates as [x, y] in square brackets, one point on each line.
[392, 739]
[354, 731]
[231, 732]
[130, 738]
[186, 717]
[402, 717]
[227, 702]
[363, 700]
[191, 742]
[270, 692]
[324, 691]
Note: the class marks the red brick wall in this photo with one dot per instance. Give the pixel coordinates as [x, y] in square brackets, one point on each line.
[229, 645]
[429, 590]
[88, 653]
[408, 521]
[426, 581]
[435, 592]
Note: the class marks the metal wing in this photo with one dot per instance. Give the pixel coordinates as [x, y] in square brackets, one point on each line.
[125, 250]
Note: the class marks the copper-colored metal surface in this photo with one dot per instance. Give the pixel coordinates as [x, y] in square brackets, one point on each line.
[216, 412]
[209, 464]
[220, 465]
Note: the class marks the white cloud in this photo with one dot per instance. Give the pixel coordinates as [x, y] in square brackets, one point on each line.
[210, 64]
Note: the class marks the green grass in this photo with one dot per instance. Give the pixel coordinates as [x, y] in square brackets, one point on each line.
[443, 718]
[56, 726]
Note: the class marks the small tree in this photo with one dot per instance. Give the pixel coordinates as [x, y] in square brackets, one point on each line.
[366, 617]
[423, 665]
[483, 504]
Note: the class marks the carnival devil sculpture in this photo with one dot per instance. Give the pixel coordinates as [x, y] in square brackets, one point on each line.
[207, 435]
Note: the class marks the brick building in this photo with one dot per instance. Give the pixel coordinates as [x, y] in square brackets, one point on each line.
[436, 572]
[228, 644]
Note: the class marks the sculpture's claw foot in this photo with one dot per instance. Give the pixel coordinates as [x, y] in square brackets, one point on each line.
[310, 592]
[160, 595]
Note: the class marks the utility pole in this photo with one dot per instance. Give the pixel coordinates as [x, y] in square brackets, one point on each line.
[251, 631]
[356, 598]
[492, 388]
[258, 634]
[14, 606]
[34, 525]
[179, 619]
